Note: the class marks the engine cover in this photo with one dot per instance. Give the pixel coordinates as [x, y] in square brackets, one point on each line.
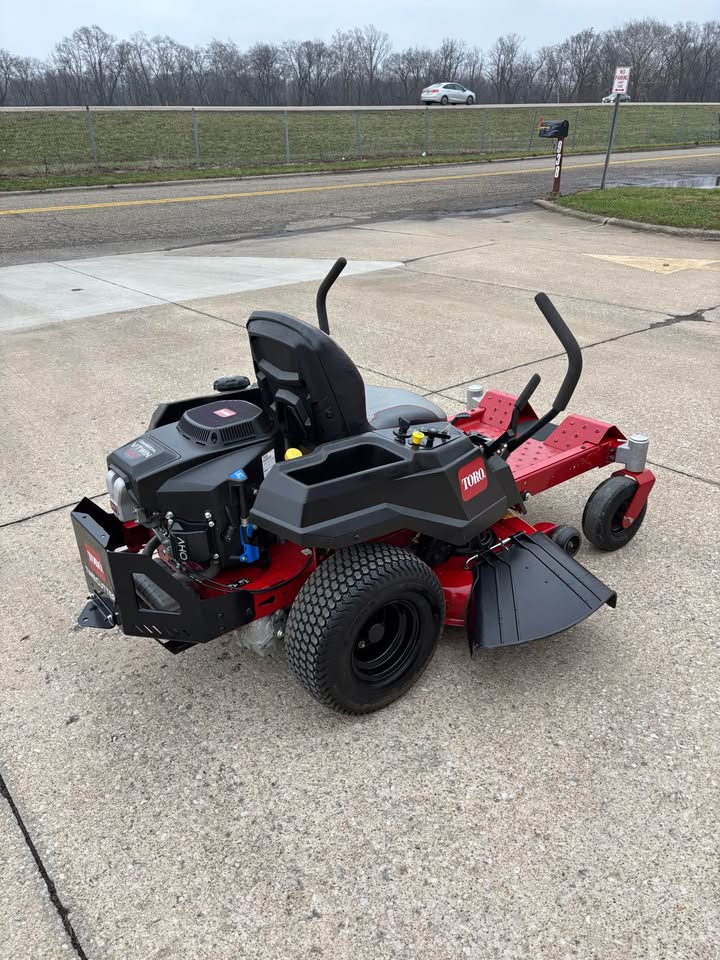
[224, 424]
[184, 467]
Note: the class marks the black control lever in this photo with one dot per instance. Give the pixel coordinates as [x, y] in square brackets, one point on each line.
[572, 376]
[521, 402]
[570, 345]
[321, 298]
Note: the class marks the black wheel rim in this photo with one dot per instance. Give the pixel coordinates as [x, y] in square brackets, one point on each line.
[387, 643]
[573, 545]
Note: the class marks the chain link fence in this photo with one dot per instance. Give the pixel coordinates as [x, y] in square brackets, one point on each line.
[86, 140]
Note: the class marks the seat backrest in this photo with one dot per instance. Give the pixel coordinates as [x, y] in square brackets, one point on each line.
[310, 383]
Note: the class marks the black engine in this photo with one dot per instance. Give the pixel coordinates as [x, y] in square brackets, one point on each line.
[193, 481]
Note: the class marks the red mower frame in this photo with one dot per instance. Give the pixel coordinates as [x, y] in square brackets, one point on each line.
[575, 446]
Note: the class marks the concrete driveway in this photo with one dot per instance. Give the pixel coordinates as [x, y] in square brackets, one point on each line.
[557, 800]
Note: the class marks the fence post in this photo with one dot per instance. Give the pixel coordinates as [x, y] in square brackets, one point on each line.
[683, 126]
[532, 131]
[91, 131]
[426, 131]
[196, 139]
[575, 126]
[358, 135]
[483, 129]
[287, 136]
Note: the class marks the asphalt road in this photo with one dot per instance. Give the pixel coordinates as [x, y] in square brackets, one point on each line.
[82, 223]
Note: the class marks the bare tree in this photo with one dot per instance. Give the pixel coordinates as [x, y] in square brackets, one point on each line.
[410, 70]
[638, 43]
[103, 61]
[373, 49]
[139, 78]
[359, 66]
[68, 61]
[709, 61]
[347, 59]
[472, 68]
[7, 72]
[311, 64]
[29, 81]
[264, 62]
[503, 65]
[581, 51]
[226, 67]
[198, 67]
[446, 61]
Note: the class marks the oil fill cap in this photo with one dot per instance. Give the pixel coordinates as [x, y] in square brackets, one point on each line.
[417, 437]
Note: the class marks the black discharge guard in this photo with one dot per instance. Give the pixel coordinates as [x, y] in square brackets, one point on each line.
[531, 590]
[125, 587]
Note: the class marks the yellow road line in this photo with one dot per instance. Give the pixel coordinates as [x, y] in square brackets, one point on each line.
[152, 201]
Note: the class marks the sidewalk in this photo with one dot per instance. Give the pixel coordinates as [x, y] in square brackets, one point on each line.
[557, 800]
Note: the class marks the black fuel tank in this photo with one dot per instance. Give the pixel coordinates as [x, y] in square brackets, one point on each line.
[370, 485]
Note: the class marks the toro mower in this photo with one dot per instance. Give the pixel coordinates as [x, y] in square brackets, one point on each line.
[352, 522]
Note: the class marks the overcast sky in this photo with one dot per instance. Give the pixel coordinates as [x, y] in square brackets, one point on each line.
[33, 28]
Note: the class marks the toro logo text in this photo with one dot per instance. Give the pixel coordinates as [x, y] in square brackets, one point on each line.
[95, 563]
[472, 478]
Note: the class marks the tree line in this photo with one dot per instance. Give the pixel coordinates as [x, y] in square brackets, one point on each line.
[361, 66]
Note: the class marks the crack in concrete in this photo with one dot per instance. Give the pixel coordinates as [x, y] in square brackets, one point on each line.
[697, 316]
[448, 253]
[533, 290]
[44, 513]
[60, 908]
[684, 473]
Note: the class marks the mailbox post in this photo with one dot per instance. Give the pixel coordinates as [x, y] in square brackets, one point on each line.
[555, 130]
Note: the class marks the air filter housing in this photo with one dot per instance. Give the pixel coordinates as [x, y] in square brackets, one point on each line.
[224, 423]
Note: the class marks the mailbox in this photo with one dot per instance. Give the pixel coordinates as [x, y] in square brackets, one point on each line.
[554, 129]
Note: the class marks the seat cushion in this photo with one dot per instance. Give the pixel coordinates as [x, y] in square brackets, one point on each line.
[386, 405]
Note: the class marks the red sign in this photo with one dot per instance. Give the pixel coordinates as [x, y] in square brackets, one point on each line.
[622, 79]
[472, 478]
[224, 412]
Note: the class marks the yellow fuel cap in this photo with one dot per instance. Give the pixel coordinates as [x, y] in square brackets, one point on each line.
[417, 437]
[292, 453]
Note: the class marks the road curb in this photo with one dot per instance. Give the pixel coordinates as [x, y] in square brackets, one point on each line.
[694, 233]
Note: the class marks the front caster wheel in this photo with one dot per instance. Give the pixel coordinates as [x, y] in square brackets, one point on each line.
[364, 627]
[568, 538]
[602, 521]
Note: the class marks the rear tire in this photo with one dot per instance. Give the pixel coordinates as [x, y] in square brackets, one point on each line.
[444, 101]
[364, 627]
[604, 512]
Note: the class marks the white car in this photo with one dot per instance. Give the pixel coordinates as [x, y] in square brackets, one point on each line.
[447, 93]
[610, 98]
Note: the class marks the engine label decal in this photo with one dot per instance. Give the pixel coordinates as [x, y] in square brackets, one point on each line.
[95, 563]
[268, 462]
[140, 449]
[472, 478]
[224, 412]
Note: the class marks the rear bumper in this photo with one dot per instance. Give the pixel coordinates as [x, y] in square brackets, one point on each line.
[112, 572]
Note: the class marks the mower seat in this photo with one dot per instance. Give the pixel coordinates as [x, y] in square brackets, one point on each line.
[316, 390]
[387, 405]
